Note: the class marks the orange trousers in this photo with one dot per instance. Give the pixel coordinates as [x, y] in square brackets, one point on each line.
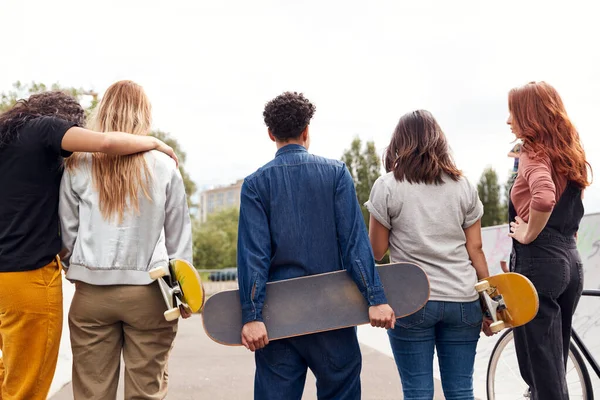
[31, 318]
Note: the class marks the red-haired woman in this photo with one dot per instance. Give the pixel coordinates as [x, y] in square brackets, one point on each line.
[545, 208]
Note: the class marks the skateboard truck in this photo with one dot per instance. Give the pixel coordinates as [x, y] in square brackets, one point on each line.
[493, 304]
[169, 292]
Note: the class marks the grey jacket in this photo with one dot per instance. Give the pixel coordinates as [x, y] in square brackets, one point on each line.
[111, 253]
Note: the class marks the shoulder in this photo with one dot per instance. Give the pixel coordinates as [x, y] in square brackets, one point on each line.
[465, 184]
[249, 180]
[48, 124]
[160, 161]
[529, 160]
[388, 179]
[326, 161]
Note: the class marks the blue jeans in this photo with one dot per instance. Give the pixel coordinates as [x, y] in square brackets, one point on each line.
[451, 328]
[334, 357]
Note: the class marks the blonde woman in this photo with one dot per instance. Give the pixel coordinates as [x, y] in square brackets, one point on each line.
[120, 217]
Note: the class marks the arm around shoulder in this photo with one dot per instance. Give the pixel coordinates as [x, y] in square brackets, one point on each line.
[78, 139]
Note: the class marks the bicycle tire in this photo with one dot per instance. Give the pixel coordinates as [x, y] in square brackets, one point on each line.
[574, 355]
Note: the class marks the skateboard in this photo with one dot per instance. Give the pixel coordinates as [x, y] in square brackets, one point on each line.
[179, 282]
[509, 299]
[316, 303]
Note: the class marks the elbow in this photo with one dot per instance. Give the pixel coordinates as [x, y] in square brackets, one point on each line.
[545, 204]
[107, 144]
[474, 247]
[379, 253]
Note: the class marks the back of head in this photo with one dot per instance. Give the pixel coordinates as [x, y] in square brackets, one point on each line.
[47, 104]
[119, 179]
[540, 120]
[419, 151]
[288, 115]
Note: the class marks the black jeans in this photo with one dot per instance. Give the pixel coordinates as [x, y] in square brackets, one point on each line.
[554, 266]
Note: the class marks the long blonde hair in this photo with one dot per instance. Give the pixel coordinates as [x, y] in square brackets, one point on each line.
[119, 179]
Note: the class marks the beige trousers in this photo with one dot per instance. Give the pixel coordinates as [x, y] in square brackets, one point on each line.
[107, 321]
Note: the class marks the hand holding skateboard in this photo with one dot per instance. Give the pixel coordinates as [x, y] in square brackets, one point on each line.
[181, 288]
[254, 335]
[382, 316]
[509, 300]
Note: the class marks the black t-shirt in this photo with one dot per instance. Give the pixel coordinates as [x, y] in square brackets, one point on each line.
[30, 172]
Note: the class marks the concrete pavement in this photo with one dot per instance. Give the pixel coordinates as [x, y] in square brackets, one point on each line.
[202, 369]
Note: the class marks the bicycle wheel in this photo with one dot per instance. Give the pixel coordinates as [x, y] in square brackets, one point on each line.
[504, 379]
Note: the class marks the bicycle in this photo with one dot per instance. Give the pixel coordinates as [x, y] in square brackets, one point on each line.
[580, 388]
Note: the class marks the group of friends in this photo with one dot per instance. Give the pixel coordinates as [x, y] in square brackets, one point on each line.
[103, 202]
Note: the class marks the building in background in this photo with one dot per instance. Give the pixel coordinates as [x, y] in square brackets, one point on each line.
[219, 198]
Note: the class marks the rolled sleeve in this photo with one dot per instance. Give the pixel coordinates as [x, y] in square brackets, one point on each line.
[474, 210]
[378, 202]
[538, 175]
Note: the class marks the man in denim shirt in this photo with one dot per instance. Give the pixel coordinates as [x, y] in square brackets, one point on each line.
[299, 216]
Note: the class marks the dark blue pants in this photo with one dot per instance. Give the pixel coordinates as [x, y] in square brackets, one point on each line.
[334, 357]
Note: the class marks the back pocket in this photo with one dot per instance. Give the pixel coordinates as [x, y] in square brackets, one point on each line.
[548, 275]
[472, 315]
[412, 320]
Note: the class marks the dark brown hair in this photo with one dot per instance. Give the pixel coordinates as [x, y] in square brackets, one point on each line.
[419, 151]
[48, 104]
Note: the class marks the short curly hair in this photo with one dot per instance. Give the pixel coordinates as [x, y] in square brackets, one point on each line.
[288, 114]
[47, 104]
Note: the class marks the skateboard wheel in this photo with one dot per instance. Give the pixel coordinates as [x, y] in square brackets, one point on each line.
[172, 314]
[482, 286]
[497, 326]
[157, 272]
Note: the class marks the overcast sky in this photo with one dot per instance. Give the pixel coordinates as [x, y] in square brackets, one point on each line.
[209, 68]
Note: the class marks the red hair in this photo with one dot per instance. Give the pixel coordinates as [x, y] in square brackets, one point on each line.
[540, 120]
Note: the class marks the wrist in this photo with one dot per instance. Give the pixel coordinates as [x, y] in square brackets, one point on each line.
[529, 237]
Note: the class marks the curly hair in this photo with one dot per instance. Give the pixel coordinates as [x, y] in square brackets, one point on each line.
[48, 104]
[288, 114]
[541, 121]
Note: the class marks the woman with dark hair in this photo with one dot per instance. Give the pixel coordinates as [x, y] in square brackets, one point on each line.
[35, 135]
[545, 208]
[426, 212]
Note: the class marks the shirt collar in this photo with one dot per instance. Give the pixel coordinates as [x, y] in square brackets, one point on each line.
[297, 148]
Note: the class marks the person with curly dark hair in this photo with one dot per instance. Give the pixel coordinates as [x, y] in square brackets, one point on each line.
[35, 135]
[299, 216]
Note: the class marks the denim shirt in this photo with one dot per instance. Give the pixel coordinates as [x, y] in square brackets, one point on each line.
[299, 216]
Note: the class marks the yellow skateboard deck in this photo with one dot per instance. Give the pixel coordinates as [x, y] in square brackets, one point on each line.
[180, 282]
[510, 299]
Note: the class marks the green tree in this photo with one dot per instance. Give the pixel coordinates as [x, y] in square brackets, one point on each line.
[215, 241]
[23, 91]
[365, 167]
[489, 193]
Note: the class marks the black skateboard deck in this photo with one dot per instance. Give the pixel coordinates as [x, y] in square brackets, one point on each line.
[316, 303]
